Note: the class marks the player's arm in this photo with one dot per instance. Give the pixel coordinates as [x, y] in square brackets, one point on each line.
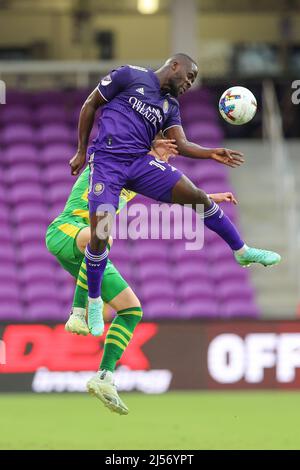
[223, 197]
[85, 125]
[162, 148]
[228, 157]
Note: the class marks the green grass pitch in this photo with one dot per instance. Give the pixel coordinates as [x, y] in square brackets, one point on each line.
[191, 420]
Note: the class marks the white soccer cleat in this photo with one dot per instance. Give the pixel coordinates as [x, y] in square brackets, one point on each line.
[102, 386]
[77, 324]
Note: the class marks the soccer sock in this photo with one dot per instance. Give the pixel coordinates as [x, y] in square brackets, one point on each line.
[119, 335]
[81, 291]
[216, 220]
[95, 264]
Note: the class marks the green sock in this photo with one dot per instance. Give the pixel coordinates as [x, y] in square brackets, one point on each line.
[81, 291]
[119, 335]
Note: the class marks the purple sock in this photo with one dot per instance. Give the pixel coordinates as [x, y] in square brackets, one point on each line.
[95, 267]
[216, 220]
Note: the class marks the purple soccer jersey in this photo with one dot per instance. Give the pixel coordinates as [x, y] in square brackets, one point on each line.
[135, 112]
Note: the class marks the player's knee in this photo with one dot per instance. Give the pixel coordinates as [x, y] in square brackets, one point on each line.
[201, 198]
[97, 244]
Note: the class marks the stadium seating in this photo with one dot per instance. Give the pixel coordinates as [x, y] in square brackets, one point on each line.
[37, 139]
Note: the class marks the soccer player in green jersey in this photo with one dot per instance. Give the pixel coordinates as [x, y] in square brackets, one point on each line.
[66, 238]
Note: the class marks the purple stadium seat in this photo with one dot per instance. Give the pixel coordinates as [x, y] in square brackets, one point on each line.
[66, 293]
[161, 308]
[120, 253]
[11, 311]
[54, 210]
[204, 131]
[193, 289]
[15, 114]
[9, 291]
[3, 195]
[239, 308]
[59, 193]
[28, 233]
[21, 173]
[58, 173]
[229, 270]
[62, 276]
[6, 234]
[7, 253]
[151, 271]
[179, 253]
[4, 214]
[29, 213]
[57, 153]
[18, 98]
[8, 271]
[42, 99]
[197, 114]
[190, 270]
[45, 310]
[35, 252]
[51, 114]
[37, 272]
[219, 252]
[157, 290]
[18, 133]
[150, 250]
[228, 290]
[126, 270]
[39, 291]
[20, 153]
[26, 193]
[55, 133]
[197, 309]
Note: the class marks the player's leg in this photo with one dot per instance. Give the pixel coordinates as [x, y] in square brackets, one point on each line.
[123, 300]
[77, 320]
[185, 192]
[161, 181]
[61, 242]
[103, 202]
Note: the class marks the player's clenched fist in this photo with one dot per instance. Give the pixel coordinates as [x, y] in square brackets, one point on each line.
[77, 162]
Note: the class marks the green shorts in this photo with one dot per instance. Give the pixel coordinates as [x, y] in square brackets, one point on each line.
[61, 242]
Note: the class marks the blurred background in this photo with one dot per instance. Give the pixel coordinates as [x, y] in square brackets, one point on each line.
[52, 54]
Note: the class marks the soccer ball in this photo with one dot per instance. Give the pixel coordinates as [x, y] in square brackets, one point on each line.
[237, 105]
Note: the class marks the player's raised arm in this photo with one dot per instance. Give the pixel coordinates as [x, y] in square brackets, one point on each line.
[228, 157]
[86, 122]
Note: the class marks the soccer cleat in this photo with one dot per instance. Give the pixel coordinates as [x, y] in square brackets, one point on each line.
[255, 255]
[102, 386]
[95, 317]
[77, 324]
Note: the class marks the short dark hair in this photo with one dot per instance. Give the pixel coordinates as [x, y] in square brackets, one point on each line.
[182, 55]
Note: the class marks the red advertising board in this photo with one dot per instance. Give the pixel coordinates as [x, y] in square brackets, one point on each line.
[161, 356]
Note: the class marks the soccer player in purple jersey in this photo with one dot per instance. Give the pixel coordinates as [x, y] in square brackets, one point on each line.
[137, 104]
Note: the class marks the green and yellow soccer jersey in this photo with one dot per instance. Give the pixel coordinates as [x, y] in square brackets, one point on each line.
[77, 203]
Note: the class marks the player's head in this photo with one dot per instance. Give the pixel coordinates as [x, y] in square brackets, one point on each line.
[181, 72]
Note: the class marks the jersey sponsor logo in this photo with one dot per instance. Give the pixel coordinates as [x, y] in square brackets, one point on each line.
[106, 80]
[151, 113]
[137, 67]
[158, 165]
[98, 188]
[140, 90]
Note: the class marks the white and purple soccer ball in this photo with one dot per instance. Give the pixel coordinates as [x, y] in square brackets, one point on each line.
[237, 105]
